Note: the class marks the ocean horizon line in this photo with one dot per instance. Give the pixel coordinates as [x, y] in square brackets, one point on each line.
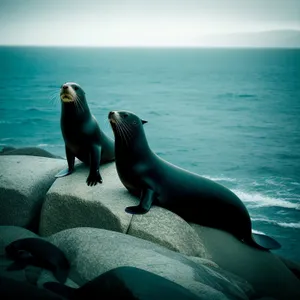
[153, 47]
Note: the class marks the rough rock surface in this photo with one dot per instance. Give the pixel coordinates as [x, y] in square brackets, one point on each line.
[167, 229]
[70, 203]
[24, 181]
[95, 251]
[210, 262]
[92, 252]
[32, 151]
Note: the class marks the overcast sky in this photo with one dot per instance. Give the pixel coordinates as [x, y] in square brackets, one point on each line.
[138, 22]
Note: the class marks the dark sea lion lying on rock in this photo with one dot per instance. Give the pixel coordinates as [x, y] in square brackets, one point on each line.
[196, 199]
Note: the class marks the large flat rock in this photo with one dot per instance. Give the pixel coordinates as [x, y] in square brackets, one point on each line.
[265, 271]
[70, 203]
[24, 181]
[169, 230]
[92, 252]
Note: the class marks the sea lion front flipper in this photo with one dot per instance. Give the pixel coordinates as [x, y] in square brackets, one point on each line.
[95, 157]
[71, 161]
[147, 198]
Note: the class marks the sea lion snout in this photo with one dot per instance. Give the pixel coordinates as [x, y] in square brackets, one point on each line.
[66, 93]
[112, 116]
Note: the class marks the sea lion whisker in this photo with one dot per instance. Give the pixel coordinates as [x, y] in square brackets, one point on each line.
[127, 129]
[53, 100]
[118, 133]
[122, 129]
[77, 100]
[126, 124]
[52, 94]
[106, 124]
[121, 132]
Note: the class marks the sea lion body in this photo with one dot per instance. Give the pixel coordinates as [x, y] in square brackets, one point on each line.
[40, 253]
[82, 135]
[196, 199]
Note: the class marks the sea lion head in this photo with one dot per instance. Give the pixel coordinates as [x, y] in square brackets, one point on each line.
[71, 92]
[126, 125]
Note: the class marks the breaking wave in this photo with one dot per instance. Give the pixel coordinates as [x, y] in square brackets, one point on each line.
[273, 222]
[256, 200]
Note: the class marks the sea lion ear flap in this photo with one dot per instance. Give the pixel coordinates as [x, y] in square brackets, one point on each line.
[144, 122]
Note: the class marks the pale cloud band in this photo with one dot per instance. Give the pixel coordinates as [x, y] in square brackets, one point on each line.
[139, 23]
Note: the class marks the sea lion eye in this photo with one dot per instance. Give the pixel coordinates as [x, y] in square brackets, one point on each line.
[125, 115]
[75, 88]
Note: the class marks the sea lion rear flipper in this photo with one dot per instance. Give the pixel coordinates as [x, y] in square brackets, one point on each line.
[265, 242]
[95, 157]
[147, 198]
[17, 265]
[60, 289]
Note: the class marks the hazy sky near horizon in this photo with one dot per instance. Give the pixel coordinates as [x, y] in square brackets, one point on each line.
[138, 22]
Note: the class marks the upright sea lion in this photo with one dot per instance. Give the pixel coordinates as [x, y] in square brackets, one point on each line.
[156, 181]
[40, 253]
[128, 283]
[82, 135]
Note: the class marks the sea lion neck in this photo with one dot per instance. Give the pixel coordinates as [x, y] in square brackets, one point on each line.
[79, 111]
[135, 145]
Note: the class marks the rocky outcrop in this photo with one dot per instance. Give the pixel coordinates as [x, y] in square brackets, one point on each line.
[91, 226]
[70, 200]
[32, 151]
[92, 252]
[24, 182]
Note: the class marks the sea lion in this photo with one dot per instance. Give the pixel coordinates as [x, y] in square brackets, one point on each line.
[82, 135]
[40, 253]
[196, 199]
[128, 283]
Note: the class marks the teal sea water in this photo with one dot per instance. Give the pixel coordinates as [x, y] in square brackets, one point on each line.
[232, 115]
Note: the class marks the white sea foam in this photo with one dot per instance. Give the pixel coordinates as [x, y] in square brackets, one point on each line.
[258, 232]
[50, 145]
[289, 225]
[256, 200]
[281, 224]
[220, 178]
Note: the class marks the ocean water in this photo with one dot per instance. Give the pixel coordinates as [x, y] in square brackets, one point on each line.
[232, 115]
